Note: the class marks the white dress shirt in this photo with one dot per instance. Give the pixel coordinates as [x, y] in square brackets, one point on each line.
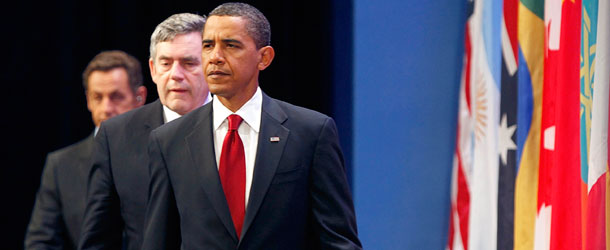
[170, 115]
[250, 112]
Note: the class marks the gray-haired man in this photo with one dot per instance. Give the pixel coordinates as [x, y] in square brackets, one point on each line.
[118, 181]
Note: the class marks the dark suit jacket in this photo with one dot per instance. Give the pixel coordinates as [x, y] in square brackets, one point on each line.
[299, 197]
[118, 181]
[60, 202]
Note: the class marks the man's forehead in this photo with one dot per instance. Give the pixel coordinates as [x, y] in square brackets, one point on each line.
[106, 88]
[108, 76]
[225, 23]
[178, 50]
[105, 84]
[226, 29]
[192, 37]
[170, 55]
[224, 18]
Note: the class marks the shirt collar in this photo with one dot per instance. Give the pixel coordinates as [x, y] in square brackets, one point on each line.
[250, 112]
[170, 115]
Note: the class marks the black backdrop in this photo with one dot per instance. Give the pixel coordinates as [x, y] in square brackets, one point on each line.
[48, 44]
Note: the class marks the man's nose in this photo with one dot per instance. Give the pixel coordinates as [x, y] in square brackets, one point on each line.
[108, 107]
[217, 55]
[177, 72]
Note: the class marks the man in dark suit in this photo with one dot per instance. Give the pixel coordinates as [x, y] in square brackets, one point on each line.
[246, 171]
[118, 184]
[113, 85]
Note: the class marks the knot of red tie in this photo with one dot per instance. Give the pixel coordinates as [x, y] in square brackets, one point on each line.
[234, 121]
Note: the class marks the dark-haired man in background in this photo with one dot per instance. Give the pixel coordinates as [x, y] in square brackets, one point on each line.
[246, 171]
[113, 85]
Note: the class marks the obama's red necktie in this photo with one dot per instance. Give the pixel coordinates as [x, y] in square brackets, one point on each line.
[232, 170]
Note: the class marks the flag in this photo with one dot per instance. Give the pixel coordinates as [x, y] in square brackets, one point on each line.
[475, 175]
[587, 61]
[560, 183]
[460, 190]
[530, 72]
[485, 77]
[508, 125]
[599, 72]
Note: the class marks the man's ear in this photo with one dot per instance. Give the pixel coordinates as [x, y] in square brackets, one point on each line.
[89, 104]
[151, 66]
[141, 96]
[267, 54]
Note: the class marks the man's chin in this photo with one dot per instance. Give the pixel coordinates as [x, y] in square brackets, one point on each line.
[180, 107]
[216, 87]
[218, 90]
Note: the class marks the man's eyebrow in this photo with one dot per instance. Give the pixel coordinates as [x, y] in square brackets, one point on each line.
[231, 41]
[164, 58]
[223, 40]
[189, 58]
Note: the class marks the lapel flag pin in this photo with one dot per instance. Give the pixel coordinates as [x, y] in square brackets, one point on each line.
[274, 139]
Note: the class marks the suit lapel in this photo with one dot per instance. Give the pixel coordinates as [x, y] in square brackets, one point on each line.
[85, 155]
[200, 144]
[267, 156]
